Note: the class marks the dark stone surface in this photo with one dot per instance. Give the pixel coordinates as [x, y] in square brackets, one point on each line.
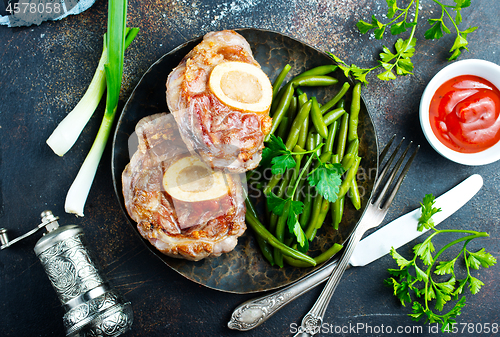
[44, 70]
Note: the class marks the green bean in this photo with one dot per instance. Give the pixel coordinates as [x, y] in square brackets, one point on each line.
[317, 141]
[313, 81]
[281, 110]
[315, 213]
[266, 250]
[260, 230]
[346, 183]
[342, 140]
[279, 80]
[305, 126]
[273, 219]
[335, 159]
[298, 160]
[293, 109]
[341, 104]
[317, 119]
[333, 115]
[276, 100]
[280, 234]
[331, 103]
[306, 213]
[317, 219]
[303, 133]
[325, 207]
[288, 119]
[354, 194]
[283, 128]
[275, 179]
[348, 160]
[337, 212]
[332, 129]
[325, 157]
[353, 147]
[354, 115]
[299, 91]
[302, 99]
[294, 131]
[323, 257]
[310, 141]
[320, 70]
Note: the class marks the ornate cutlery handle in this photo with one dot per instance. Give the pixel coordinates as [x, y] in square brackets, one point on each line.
[254, 312]
[312, 321]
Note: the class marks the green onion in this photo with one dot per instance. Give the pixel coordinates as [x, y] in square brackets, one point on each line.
[69, 129]
[114, 42]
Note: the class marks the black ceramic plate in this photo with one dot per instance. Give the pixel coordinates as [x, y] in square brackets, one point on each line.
[244, 270]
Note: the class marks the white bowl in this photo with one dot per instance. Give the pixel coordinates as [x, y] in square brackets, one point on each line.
[485, 69]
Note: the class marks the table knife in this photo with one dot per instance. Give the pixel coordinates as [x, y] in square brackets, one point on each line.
[252, 313]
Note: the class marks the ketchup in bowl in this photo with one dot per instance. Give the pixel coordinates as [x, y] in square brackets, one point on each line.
[464, 114]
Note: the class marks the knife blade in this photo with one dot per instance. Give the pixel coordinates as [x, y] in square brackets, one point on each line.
[404, 229]
[252, 313]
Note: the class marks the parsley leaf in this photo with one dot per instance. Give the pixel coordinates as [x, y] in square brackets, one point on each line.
[445, 267]
[475, 284]
[393, 8]
[424, 251]
[401, 261]
[481, 258]
[327, 179]
[425, 220]
[278, 155]
[275, 204]
[295, 228]
[364, 27]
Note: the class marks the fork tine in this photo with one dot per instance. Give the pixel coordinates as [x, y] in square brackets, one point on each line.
[392, 175]
[386, 149]
[387, 165]
[400, 179]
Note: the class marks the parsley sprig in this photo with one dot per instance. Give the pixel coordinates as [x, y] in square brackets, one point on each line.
[279, 156]
[326, 178]
[417, 279]
[439, 26]
[400, 60]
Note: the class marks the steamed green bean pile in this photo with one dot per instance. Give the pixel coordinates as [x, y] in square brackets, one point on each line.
[312, 156]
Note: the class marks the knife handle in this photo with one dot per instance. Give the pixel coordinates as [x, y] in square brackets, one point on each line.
[254, 312]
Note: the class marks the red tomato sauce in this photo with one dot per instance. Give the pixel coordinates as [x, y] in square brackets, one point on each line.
[464, 114]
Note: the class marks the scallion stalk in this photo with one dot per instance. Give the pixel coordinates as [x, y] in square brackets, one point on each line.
[69, 129]
[115, 43]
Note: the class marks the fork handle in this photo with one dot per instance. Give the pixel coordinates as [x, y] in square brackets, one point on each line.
[312, 321]
[254, 312]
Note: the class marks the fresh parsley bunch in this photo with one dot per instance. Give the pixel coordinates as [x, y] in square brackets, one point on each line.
[411, 278]
[400, 22]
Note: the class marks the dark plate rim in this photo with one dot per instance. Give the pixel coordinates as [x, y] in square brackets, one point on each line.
[117, 180]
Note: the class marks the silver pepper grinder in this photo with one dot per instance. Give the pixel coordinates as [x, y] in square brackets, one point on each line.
[92, 307]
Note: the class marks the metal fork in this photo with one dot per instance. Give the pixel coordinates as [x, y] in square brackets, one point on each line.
[374, 214]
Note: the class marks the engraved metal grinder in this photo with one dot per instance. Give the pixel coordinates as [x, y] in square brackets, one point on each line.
[92, 307]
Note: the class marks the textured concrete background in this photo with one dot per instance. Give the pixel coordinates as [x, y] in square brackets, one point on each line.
[44, 70]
